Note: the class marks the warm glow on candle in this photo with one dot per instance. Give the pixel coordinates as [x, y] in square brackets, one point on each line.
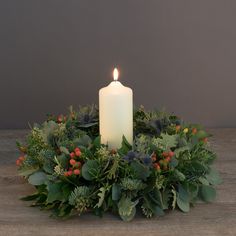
[115, 74]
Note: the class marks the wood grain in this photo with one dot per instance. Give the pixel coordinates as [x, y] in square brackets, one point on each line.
[218, 218]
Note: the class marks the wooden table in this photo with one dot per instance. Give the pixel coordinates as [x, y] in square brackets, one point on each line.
[218, 218]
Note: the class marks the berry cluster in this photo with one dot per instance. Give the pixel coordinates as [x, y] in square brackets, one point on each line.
[75, 165]
[192, 132]
[161, 162]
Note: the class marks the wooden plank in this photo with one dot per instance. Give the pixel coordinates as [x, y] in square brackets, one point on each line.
[218, 218]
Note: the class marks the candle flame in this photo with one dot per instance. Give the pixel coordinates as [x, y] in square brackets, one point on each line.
[115, 74]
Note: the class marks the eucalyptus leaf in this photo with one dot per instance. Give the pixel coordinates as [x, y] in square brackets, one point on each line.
[37, 178]
[208, 193]
[55, 192]
[116, 192]
[182, 204]
[213, 177]
[90, 170]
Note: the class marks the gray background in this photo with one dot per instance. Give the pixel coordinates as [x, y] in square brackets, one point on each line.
[176, 54]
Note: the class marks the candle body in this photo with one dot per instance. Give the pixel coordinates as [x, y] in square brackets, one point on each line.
[115, 114]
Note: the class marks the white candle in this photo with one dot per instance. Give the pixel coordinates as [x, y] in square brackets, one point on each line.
[115, 113]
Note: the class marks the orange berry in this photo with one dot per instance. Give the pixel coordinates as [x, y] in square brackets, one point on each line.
[72, 162]
[21, 158]
[177, 128]
[66, 173]
[205, 140]
[76, 171]
[18, 162]
[194, 131]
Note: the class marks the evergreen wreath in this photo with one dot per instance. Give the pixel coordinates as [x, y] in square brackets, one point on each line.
[169, 166]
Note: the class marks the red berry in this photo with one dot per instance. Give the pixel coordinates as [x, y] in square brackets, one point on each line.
[168, 159]
[156, 166]
[72, 162]
[78, 164]
[78, 153]
[171, 154]
[72, 154]
[60, 118]
[77, 150]
[70, 172]
[18, 162]
[165, 154]
[194, 131]
[76, 171]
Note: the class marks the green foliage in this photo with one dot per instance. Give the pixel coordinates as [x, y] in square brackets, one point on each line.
[91, 170]
[127, 208]
[37, 178]
[168, 167]
[80, 198]
[166, 141]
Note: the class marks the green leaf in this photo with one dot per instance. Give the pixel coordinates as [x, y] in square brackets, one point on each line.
[64, 150]
[116, 192]
[203, 181]
[174, 193]
[101, 196]
[37, 178]
[48, 130]
[28, 171]
[141, 171]
[48, 166]
[125, 146]
[179, 175]
[30, 197]
[183, 199]
[112, 171]
[166, 141]
[183, 205]
[213, 177]
[88, 125]
[202, 134]
[97, 142]
[91, 170]
[127, 209]
[55, 192]
[180, 150]
[174, 162]
[84, 140]
[158, 211]
[207, 193]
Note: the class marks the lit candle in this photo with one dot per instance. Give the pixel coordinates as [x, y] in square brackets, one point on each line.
[115, 113]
